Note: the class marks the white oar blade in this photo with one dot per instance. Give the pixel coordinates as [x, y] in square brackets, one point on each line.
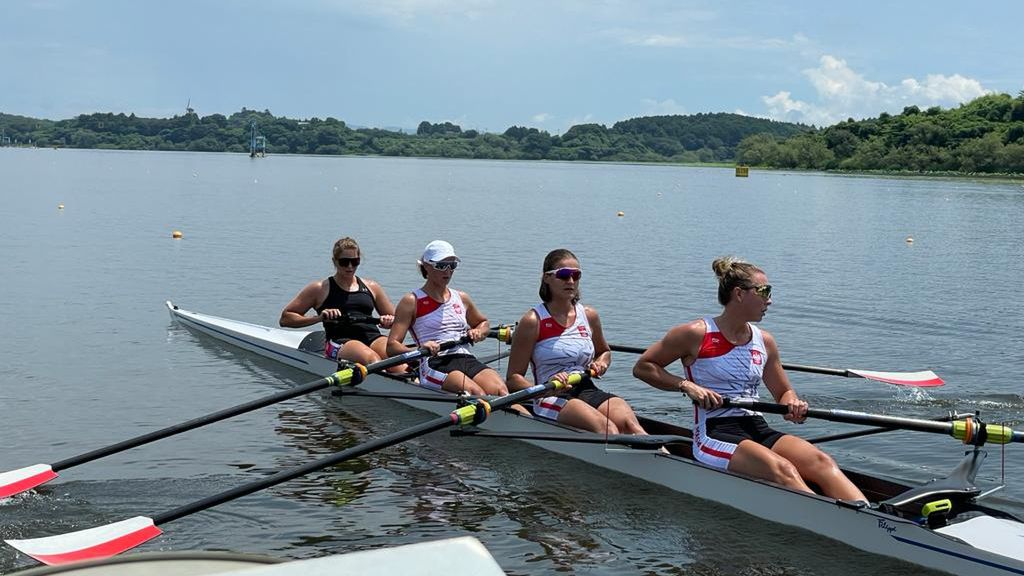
[90, 544]
[925, 378]
[22, 479]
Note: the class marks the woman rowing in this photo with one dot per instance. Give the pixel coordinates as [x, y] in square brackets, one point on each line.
[345, 304]
[436, 313]
[728, 356]
[559, 336]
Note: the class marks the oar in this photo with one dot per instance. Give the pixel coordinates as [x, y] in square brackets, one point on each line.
[22, 479]
[970, 431]
[649, 442]
[948, 417]
[353, 319]
[112, 539]
[924, 378]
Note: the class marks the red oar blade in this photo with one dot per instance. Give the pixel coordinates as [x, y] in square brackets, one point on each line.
[90, 544]
[925, 378]
[22, 479]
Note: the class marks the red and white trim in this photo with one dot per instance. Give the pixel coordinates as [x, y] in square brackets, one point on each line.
[23, 479]
[90, 544]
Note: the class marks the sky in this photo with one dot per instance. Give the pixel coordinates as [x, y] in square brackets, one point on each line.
[491, 64]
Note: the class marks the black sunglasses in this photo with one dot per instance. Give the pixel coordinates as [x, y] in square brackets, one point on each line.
[343, 262]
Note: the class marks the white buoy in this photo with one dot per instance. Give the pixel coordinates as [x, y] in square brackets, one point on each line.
[60, 206]
[176, 234]
[910, 239]
[621, 214]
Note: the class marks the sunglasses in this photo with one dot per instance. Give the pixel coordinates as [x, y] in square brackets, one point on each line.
[764, 290]
[343, 262]
[444, 265]
[566, 273]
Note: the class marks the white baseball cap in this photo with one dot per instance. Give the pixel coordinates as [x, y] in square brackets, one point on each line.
[438, 250]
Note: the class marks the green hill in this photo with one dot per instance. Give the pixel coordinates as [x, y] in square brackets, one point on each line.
[985, 135]
[693, 138]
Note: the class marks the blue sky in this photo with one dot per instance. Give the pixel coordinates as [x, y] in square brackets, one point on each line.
[490, 64]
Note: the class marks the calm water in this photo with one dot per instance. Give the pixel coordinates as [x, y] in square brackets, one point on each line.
[90, 356]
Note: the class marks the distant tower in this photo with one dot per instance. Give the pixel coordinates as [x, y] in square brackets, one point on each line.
[188, 107]
[257, 143]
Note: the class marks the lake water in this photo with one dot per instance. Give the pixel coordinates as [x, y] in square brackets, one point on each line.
[90, 357]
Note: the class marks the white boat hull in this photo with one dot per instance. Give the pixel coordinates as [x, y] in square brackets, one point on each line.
[985, 551]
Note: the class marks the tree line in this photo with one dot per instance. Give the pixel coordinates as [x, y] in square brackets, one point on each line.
[687, 139]
[983, 136]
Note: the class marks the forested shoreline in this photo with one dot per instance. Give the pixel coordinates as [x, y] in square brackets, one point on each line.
[984, 136]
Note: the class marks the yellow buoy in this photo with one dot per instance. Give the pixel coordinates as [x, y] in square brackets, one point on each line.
[742, 171]
[910, 239]
[60, 206]
[176, 234]
[621, 213]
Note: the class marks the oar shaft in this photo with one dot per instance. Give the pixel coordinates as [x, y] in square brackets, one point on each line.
[793, 367]
[341, 377]
[192, 424]
[969, 431]
[464, 415]
[292, 473]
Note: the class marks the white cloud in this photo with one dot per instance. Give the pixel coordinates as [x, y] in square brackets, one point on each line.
[844, 93]
[663, 108]
[541, 118]
[657, 40]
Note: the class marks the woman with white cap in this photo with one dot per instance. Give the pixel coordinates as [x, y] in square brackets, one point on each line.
[437, 313]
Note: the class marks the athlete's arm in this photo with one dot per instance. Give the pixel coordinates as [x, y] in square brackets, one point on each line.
[294, 313]
[385, 309]
[679, 343]
[404, 316]
[478, 323]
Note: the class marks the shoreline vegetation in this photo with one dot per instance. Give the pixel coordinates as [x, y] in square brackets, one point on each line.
[982, 138]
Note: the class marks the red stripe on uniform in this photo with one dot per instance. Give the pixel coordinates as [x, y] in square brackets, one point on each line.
[426, 305]
[714, 345]
[713, 452]
[553, 406]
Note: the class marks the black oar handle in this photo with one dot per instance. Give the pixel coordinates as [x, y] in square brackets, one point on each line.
[353, 319]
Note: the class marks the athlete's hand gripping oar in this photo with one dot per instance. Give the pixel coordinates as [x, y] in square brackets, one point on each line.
[970, 431]
[924, 378]
[22, 479]
[112, 539]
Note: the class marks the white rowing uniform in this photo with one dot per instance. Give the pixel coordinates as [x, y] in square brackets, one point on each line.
[559, 349]
[731, 370]
[440, 322]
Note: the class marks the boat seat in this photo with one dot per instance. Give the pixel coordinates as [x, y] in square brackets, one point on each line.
[957, 487]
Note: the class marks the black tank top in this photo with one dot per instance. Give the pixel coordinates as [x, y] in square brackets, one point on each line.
[360, 303]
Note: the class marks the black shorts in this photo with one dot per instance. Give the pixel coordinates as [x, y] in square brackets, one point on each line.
[590, 394]
[465, 363]
[333, 347]
[735, 429]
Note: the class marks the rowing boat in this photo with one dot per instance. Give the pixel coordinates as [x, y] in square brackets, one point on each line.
[940, 525]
